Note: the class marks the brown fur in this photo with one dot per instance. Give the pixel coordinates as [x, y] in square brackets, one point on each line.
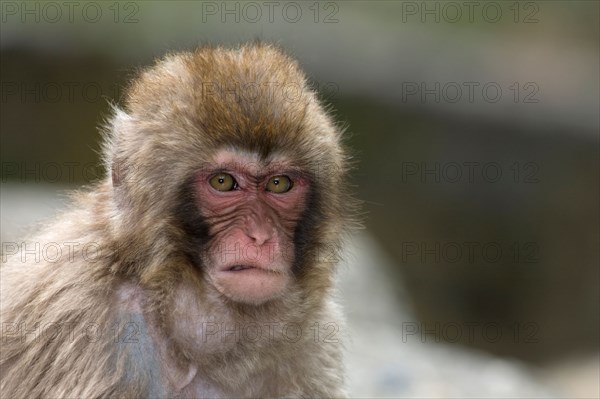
[176, 115]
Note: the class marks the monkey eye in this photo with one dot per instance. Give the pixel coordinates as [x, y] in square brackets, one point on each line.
[223, 182]
[279, 184]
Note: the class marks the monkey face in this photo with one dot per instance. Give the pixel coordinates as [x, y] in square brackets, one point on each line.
[251, 207]
[247, 192]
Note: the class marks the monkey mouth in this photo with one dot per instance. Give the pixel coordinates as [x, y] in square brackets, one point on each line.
[253, 283]
[241, 268]
[238, 268]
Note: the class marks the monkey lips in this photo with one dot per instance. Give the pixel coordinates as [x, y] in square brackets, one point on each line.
[251, 283]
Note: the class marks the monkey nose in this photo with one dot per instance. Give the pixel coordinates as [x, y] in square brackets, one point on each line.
[260, 231]
[260, 235]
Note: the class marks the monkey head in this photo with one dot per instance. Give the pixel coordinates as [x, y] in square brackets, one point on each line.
[225, 161]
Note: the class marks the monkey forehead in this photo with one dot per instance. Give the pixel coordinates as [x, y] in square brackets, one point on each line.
[252, 164]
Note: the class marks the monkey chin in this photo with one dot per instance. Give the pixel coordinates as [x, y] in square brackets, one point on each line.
[252, 285]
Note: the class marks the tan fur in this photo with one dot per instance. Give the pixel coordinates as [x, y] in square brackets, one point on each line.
[141, 286]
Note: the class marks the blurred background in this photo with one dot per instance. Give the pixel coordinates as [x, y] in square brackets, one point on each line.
[475, 127]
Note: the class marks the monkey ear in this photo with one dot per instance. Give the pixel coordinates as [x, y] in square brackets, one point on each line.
[117, 171]
[119, 125]
[116, 178]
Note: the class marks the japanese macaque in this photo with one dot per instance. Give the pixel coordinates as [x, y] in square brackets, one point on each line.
[203, 265]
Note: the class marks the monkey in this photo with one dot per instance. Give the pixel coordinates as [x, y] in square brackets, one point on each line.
[203, 264]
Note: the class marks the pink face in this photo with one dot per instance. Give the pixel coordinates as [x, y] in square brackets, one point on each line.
[252, 208]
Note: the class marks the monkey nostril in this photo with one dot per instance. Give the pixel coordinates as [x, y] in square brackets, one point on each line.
[259, 229]
[259, 236]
